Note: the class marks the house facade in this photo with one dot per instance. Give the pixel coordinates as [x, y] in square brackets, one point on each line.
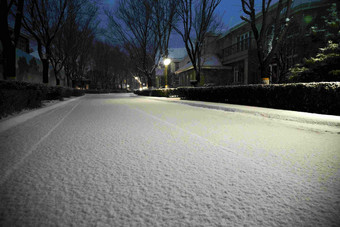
[235, 55]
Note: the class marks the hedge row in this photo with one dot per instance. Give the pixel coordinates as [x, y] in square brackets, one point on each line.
[105, 91]
[17, 95]
[321, 98]
[158, 92]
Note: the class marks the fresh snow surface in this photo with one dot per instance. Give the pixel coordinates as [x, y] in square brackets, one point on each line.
[119, 160]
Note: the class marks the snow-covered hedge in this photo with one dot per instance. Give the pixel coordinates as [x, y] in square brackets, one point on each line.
[17, 95]
[309, 97]
[158, 92]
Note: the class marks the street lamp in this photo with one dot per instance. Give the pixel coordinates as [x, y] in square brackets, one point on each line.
[166, 62]
[140, 83]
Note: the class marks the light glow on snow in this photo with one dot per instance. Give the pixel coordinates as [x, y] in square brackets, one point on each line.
[116, 160]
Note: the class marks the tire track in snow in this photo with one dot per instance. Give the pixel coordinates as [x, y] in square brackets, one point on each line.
[17, 165]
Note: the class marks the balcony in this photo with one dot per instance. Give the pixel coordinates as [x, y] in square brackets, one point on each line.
[237, 49]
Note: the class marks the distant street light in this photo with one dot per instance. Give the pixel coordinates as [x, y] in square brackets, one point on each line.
[140, 83]
[166, 62]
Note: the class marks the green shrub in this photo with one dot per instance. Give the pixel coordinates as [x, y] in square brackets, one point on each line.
[323, 67]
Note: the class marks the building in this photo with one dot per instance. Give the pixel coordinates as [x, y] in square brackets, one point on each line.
[28, 65]
[212, 71]
[23, 41]
[232, 58]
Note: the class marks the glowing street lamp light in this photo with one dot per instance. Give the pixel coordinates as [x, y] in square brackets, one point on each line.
[166, 62]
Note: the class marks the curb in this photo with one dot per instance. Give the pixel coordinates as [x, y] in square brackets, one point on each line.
[286, 115]
[15, 120]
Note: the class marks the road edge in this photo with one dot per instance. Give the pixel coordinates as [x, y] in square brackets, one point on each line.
[287, 115]
[21, 118]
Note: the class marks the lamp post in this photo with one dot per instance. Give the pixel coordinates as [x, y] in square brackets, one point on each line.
[166, 62]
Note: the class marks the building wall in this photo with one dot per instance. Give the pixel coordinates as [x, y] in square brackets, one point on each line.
[237, 48]
[208, 77]
[305, 14]
[29, 69]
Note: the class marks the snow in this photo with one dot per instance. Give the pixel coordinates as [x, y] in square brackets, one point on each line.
[209, 61]
[21, 116]
[115, 160]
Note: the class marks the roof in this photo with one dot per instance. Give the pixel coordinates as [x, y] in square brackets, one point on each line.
[210, 61]
[297, 3]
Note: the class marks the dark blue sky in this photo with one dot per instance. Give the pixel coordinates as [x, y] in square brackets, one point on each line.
[229, 10]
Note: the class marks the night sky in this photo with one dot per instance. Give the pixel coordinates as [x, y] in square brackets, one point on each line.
[229, 10]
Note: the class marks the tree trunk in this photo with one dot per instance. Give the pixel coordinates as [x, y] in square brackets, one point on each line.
[198, 78]
[9, 61]
[56, 72]
[150, 81]
[198, 69]
[68, 80]
[264, 70]
[45, 64]
[7, 45]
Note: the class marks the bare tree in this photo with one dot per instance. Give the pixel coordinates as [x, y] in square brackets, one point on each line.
[295, 46]
[109, 65]
[43, 19]
[76, 54]
[120, 67]
[198, 19]
[165, 16]
[143, 28]
[272, 30]
[131, 26]
[9, 41]
[72, 43]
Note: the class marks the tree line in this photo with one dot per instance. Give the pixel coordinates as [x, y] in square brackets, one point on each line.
[135, 37]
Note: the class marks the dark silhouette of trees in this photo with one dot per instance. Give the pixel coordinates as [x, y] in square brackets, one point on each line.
[288, 50]
[109, 66]
[323, 65]
[273, 27]
[164, 18]
[142, 28]
[9, 41]
[198, 19]
[71, 46]
[303, 41]
[43, 19]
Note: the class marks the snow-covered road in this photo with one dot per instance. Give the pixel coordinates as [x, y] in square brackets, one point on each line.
[116, 160]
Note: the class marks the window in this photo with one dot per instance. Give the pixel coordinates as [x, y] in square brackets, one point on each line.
[239, 72]
[243, 42]
[236, 74]
[176, 66]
